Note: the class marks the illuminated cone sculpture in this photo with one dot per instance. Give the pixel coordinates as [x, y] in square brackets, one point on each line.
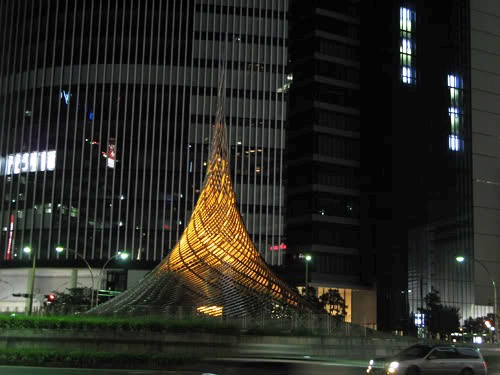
[215, 268]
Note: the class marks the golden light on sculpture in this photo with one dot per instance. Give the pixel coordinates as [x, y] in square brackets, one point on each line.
[210, 310]
[215, 268]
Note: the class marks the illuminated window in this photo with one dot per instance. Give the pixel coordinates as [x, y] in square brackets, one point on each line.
[453, 81]
[454, 143]
[406, 74]
[454, 84]
[405, 19]
[407, 48]
[454, 113]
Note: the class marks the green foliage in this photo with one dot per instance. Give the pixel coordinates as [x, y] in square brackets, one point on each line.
[312, 298]
[88, 359]
[478, 325]
[442, 320]
[75, 300]
[205, 325]
[334, 303]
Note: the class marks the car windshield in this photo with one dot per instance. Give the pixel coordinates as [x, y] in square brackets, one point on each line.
[416, 351]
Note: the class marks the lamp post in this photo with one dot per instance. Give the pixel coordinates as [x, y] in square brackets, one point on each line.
[27, 250]
[123, 256]
[307, 259]
[461, 259]
[60, 249]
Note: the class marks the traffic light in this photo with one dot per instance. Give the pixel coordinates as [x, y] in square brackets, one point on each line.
[50, 298]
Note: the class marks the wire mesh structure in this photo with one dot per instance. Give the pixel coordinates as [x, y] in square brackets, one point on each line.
[215, 268]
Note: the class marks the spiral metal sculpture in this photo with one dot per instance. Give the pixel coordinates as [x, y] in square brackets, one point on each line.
[214, 269]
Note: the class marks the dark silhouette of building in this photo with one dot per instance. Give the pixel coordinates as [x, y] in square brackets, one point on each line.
[379, 150]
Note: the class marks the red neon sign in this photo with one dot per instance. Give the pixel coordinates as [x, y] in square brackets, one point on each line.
[281, 246]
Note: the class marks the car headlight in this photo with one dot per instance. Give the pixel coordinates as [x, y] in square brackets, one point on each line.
[393, 367]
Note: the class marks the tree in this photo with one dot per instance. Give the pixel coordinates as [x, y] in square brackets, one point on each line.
[312, 298]
[441, 320]
[334, 303]
[478, 325]
[75, 300]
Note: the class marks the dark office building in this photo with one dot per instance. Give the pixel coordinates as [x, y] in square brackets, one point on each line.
[416, 154]
[323, 150]
[106, 114]
[379, 150]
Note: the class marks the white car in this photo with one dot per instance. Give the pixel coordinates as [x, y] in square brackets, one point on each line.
[424, 359]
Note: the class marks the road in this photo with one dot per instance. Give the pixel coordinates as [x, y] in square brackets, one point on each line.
[230, 367]
[247, 366]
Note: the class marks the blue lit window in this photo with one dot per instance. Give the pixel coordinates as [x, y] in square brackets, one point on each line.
[407, 48]
[406, 75]
[454, 84]
[406, 17]
[454, 143]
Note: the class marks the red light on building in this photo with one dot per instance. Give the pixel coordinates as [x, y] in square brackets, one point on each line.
[281, 246]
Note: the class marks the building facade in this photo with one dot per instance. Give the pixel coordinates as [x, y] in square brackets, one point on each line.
[485, 94]
[379, 178]
[106, 112]
[416, 155]
[323, 153]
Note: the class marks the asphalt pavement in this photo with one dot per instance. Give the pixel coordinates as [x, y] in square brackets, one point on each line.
[226, 367]
[229, 366]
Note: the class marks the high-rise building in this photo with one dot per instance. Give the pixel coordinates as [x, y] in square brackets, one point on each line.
[379, 180]
[416, 154]
[106, 112]
[485, 102]
[323, 153]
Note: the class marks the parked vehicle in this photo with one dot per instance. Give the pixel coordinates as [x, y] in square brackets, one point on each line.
[424, 359]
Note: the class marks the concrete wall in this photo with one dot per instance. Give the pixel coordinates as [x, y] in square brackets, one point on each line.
[485, 65]
[203, 343]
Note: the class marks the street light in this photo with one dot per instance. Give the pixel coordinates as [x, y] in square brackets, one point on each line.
[461, 259]
[60, 249]
[123, 256]
[307, 259]
[27, 250]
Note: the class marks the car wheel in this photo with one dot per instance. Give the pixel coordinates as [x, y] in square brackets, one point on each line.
[467, 371]
[413, 371]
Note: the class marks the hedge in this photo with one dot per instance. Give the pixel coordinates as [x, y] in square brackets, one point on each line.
[199, 325]
[90, 359]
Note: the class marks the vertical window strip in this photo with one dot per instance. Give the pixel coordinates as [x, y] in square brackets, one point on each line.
[113, 135]
[84, 173]
[455, 142]
[16, 203]
[101, 190]
[50, 129]
[163, 164]
[94, 191]
[407, 48]
[186, 124]
[153, 226]
[9, 51]
[144, 133]
[279, 150]
[65, 217]
[131, 201]
[266, 147]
